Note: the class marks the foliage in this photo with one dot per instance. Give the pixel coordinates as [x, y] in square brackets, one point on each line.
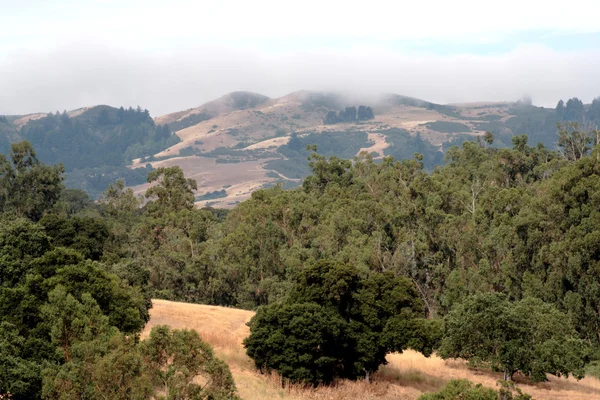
[174, 360]
[528, 336]
[338, 324]
[99, 136]
[28, 187]
[403, 146]
[345, 144]
[172, 193]
[95, 145]
[362, 251]
[447, 127]
[217, 194]
[95, 180]
[349, 114]
[188, 121]
[465, 390]
[462, 389]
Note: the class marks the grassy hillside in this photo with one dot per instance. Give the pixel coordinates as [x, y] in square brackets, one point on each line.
[253, 132]
[406, 376]
[233, 128]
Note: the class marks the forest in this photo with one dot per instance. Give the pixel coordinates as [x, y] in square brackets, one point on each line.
[94, 146]
[492, 257]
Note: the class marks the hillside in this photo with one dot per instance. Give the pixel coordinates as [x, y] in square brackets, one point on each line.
[244, 141]
[406, 376]
[95, 144]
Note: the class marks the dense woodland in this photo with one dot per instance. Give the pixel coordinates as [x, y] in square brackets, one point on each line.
[94, 146]
[493, 257]
[349, 114]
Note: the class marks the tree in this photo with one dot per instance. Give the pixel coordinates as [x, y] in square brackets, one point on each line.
[527, 336]
[300, 341]
[73, 201]
[18, 375]
[119, 202]
[174, 361]
[488, 138]
[365, 113]
[172, 191]
[85, 234]
[28, 188]
[573, 143]
[339, 324]
[331, 118]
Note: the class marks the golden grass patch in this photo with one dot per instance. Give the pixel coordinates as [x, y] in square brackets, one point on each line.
[406, 376]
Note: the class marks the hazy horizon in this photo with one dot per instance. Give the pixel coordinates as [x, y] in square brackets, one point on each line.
[58, 55]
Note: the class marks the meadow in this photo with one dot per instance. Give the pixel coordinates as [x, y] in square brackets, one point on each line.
[406, 376]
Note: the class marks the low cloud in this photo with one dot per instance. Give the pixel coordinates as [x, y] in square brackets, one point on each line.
[85, 73]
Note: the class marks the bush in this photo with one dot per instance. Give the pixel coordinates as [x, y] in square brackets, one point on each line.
[462, 389]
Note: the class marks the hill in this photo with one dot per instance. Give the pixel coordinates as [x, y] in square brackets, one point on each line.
[406, 376]
[95, 144]
[244, 141]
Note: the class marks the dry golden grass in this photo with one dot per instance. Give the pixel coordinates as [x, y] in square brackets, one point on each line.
[406, 376]
[378, 146]
[26, 118]
[267, 126]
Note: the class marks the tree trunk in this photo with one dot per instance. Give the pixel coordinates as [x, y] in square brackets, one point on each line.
[367, 376]
[508, 375]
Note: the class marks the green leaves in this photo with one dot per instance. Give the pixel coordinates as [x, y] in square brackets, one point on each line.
[28, 188]
[174, 359]
[301, 341]
[462, 389]
[337, 323]
[172, 193]
[527, 336]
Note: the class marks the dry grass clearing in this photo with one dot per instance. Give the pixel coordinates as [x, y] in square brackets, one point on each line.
[378, 146]
[238, 179]
[26, 118]
[406, 376]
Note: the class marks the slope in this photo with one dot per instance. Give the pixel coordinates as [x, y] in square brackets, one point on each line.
[241, 134]
[406, 376]
[93, 143]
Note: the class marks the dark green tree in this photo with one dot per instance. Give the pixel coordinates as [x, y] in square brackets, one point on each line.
[28, 188]
[364, 113]
[356, 321]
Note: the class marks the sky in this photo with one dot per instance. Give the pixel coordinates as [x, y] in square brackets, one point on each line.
[173, 55]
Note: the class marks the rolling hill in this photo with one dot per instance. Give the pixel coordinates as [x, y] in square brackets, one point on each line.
[406, 376]
[244, 141]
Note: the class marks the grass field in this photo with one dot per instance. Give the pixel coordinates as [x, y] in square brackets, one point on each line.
[406, 376]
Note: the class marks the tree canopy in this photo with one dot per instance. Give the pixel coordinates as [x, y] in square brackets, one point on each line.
[338, 323]
[528, 336]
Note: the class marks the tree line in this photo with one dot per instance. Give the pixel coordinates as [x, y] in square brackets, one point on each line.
[349, 114]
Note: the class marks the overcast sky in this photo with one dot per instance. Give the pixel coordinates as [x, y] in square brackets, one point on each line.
[171, 55]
